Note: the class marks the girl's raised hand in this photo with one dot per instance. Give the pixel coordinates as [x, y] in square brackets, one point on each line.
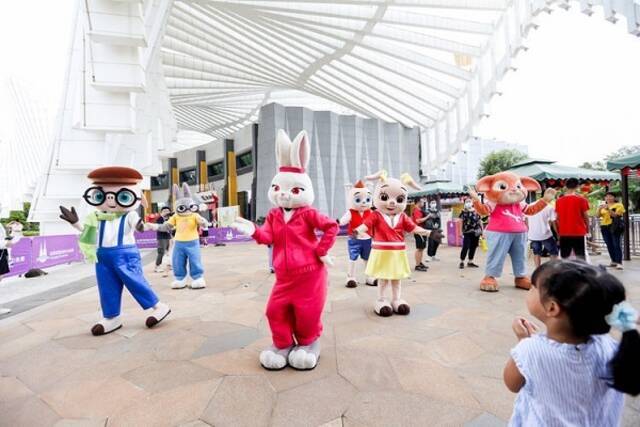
[523, 328]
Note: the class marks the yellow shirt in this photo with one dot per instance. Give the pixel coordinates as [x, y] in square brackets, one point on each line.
[186, 227]
[605, 217]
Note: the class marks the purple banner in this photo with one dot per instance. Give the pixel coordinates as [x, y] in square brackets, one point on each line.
[226, 235]
[454, 232]
[146, 240]
[47, 251]
[20, 257]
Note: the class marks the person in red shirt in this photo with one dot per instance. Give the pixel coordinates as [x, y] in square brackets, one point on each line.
[573, 221]
[418, 216]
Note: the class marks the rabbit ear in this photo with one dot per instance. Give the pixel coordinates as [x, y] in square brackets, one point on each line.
[409, 181]
[300, 151]
[283, 148]
[381, 176]
[176, 192]
[186, 191]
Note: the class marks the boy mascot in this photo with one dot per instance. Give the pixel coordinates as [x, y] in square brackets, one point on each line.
[506, 232]
[387, 225]
[107, 239]
[186, 247]
[299, 259]
[359, 244]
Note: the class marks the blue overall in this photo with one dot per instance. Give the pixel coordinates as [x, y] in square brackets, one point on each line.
[183, 253]
[117, 266]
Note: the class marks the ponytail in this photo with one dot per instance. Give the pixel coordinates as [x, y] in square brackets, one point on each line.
[625, 365]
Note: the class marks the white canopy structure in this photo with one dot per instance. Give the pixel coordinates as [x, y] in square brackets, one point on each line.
[141, 71]
[24, 138]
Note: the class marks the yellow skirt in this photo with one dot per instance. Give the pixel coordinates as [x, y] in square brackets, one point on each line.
[388, 264]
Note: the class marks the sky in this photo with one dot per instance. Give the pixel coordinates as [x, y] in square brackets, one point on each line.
[574, 97]
[576, 94]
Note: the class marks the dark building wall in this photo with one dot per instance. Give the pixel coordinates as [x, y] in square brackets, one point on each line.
[343, 150]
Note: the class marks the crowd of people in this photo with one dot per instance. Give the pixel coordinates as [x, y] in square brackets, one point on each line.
[560, 230]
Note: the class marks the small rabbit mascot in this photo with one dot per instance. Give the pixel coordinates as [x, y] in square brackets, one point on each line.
[299, 259]
[186, 249]
[107, 239]
[387, 224]
[358, 198]
[506, 232]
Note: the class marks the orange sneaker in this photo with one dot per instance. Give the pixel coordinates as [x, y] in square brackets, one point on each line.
[489, 284]
[523, 283]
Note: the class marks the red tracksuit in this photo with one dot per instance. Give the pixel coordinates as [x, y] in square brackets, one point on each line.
[298, 296]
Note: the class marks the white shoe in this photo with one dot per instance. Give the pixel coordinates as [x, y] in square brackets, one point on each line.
[179, 284]
[160, 311]
[619, 267]
[305, 357]
[383, 308]
[158, 269]
[274, 359]
[199, 283]
[106, 326]
[4, 311]
[400, 306]
[435, 258]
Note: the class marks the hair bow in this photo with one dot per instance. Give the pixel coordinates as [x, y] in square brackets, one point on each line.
[623, 317]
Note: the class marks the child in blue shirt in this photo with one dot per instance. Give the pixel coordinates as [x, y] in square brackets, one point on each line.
[575, 374]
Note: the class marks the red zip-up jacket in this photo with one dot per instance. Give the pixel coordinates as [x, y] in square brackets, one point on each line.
[296, 248]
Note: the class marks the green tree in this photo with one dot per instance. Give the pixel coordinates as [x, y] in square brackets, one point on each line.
[624, 151]
[499, 161]
[29, 228]
[598, 165]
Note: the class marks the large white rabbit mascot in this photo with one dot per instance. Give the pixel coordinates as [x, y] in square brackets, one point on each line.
[358, 198]
[297, 299]
[387, 226]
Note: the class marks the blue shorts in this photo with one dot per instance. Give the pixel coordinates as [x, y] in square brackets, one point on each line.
[550, 245]
[359, 248]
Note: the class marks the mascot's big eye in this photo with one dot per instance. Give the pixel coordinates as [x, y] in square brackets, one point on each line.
[368, 200]
[125, 198]
[296, 190]
[400, 199]
[500, 186]
[275, 187]
[96, 197]
[357, 200]
[384, 197]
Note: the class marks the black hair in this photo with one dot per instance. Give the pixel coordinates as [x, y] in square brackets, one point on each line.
[609, 193]
[587, 294]
[165, 207]
[572, 183]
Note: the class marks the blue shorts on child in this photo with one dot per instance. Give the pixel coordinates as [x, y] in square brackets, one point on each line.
[359, 248]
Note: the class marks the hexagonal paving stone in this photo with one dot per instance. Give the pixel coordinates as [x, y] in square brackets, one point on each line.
[241, 401]
[229, 341]
[156, 377]
[313, 404]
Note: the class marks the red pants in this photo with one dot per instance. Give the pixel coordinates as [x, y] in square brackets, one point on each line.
[295, 308]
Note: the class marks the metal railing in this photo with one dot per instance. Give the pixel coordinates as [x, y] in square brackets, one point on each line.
[634, 234]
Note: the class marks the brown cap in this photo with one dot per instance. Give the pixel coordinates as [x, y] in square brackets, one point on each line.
[115, 175]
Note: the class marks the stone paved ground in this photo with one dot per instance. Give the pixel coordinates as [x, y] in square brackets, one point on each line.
[441, 365]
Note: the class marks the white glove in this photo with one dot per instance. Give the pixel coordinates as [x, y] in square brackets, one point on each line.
[327, 260]
[243, 226]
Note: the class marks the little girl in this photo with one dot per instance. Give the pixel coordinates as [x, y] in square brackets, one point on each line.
[575, 374]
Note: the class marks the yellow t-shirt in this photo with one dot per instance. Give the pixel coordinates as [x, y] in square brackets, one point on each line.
[605, 217]
[186, 227]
